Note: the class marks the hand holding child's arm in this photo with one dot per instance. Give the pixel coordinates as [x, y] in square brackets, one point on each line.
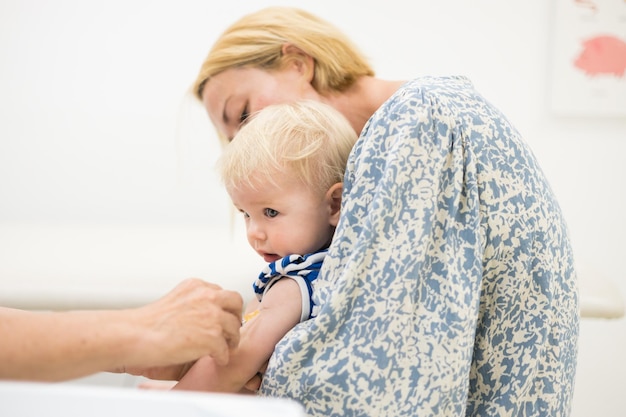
[278, 313]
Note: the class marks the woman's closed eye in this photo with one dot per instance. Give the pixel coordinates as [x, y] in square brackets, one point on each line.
[270, 212]
[244, 115]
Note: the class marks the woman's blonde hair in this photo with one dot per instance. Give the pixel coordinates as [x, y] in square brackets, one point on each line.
[308, 141]
[257, 39]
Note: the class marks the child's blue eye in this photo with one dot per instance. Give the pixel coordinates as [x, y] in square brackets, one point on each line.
[269, 212]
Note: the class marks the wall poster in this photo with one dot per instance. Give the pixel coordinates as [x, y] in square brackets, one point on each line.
[588, 73]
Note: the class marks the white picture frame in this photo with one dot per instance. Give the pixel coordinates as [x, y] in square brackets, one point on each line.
[588, 71]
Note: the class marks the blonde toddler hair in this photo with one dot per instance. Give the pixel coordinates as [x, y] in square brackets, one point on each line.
[307, 140]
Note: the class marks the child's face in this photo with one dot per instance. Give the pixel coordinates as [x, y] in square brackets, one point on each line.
[285, 219]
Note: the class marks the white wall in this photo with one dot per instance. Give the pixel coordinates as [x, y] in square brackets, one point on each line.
[95, 127]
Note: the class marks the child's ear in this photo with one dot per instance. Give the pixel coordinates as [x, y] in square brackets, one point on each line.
[333, 196]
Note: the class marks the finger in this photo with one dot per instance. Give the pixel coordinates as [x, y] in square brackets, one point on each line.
[254, 383]
[231, 301]
[231, 327]
[220, 352]
[158, 385]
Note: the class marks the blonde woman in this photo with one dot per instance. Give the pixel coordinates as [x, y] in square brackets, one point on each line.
[449, 287]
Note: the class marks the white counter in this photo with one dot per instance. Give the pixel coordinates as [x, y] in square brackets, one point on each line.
[19, 399]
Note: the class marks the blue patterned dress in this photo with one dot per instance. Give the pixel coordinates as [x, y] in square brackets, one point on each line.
[449, 288]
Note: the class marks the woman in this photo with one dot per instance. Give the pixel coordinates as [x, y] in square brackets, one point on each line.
[449, 288]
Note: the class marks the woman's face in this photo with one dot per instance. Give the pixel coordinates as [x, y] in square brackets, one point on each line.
[233, 95]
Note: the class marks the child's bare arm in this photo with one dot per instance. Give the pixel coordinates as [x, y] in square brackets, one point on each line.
[278, 312]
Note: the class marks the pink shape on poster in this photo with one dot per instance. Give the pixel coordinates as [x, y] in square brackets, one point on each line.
[602, 55]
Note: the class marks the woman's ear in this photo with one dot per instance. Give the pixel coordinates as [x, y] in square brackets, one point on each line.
[304, 63]
[333, 196]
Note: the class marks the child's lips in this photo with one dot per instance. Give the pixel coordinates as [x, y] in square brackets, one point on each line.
[270, 257]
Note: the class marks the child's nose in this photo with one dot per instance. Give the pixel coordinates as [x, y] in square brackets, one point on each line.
[255, 231]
